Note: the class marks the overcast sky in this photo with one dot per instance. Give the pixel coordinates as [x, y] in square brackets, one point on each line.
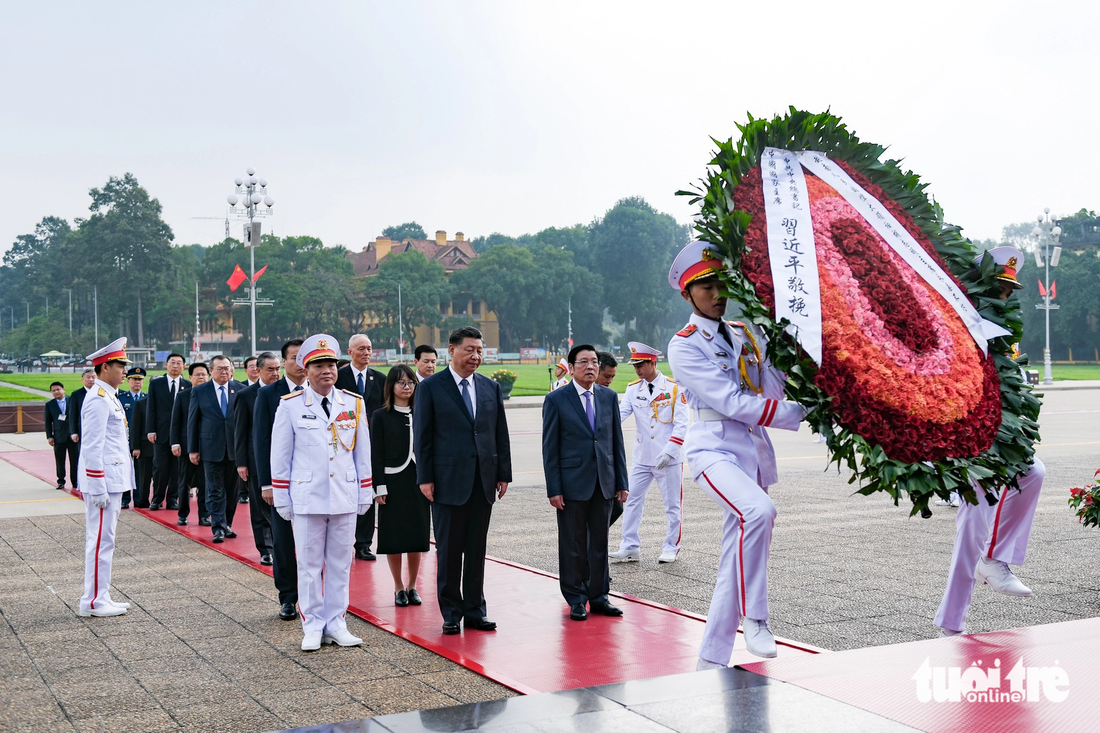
[481, 116]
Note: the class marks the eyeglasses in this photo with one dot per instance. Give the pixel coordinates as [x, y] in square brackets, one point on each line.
[406, 384]
[587, 362]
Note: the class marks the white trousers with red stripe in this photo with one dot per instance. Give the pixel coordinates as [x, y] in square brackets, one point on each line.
[99, 550]
[324, 544]
[999, 532]
[742, 587]
[670, 481]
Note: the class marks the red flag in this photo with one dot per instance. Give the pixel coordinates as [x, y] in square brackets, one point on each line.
[257, 275]
[236, 278]
[1054, 290]
[1042, 290]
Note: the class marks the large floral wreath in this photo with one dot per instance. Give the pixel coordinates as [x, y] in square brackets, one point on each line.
[903, 395]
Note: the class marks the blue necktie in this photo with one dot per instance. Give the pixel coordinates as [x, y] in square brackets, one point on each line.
[298, 388]
[359, 383]
[466, 398]
[225, 405]
[589, 411]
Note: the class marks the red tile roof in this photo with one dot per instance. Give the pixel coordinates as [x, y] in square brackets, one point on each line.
[453, 255]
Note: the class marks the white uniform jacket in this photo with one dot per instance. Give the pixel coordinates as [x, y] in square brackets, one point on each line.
[105, 465]
[661, 419]
[730, 421]
[320, 464]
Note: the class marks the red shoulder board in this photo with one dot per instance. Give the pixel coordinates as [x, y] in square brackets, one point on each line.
[687, 330]
[735, 323]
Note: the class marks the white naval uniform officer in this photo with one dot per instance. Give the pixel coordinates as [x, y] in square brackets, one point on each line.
[660, 410]
[735, 394]
[105, 471]
[989, 538]
[321, 480]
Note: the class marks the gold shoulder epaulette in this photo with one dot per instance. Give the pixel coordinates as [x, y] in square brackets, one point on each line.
[102, 392]
[356, 395]
[633, 383]
[671, 379]
[687, 330]
[739, 324]
[296, 393]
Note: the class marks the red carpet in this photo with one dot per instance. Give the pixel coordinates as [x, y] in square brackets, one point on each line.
[536, 647]
[888, 680]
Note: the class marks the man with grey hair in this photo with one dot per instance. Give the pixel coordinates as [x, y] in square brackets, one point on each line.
[210, 418]
[359, 378]
[267, 372]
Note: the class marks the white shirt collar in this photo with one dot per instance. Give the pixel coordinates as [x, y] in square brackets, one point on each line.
[581, 390]
[356, 372]
[293, 386]
[458, 378]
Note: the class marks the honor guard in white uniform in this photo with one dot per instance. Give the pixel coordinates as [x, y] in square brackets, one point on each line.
[660, 410]
[321, 479]
[561, 374]
[105, 472]
[990, 537]
[735, 394]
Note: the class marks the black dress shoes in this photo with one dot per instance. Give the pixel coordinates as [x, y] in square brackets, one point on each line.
[230, 534]
[578, 612]
[219, 536]
[204, 522]
[154, 506]
[481, 624]
[173, 506]
[450, 629]
[364, 555]
[182, 521]
[287, 612]
[242, 499]
[265, 559]
[414, 597]
[401, 598]
[605, 609]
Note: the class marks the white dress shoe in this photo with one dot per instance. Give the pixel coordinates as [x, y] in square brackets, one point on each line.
[758, 638]
[704, 664]
[343, 637]
[311, 641]
[625, 555]
[667, 556]
[113, 602]
[101, 611]
[944, 633]
[1000, 578]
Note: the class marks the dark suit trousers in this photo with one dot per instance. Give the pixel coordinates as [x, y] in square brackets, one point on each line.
[582, 549]
[460, 537]
[166, 472]
[284, 566]
[221, 493]
[190, 475]
[364, 529]
[60, 450]
[258, 513]
[143, 468]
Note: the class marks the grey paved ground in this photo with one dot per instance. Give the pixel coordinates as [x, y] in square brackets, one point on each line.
[201, 649]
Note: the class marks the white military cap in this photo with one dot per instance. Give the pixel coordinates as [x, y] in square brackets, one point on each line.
[697, 260]
[318, 347]
[1009, 259]
[639, 352]
[114, 351]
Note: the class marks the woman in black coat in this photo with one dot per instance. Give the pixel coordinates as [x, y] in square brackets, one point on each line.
[404, 514]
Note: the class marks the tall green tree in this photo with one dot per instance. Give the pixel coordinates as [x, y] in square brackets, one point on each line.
[424, 289]
[408, 230]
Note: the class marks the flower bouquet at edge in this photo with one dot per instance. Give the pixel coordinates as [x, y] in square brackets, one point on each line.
[504, 378]
[899, 384]
[1086, 502]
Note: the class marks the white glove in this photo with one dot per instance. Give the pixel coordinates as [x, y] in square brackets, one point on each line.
[285, 512]
[363, 509]
[663, 460]
[99, 501]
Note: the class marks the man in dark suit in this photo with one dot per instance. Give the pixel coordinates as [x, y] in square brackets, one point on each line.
[128, 398]
[142, 451]
[210, 440]
[267, 366]
[163, 392]
[584, 460]
[188, 474]
[285, 566]
[88, 379]
[58, 414]
[463, 465]
[358, 377]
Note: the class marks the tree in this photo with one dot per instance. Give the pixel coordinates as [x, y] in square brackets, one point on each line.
[408, 230]
[424, 289]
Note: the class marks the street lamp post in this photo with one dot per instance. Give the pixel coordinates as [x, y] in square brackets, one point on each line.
[1047, 253]
[254, 192]
[70, 292]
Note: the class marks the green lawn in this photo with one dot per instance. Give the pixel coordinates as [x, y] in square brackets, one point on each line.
[1069, 372]
[7, 394]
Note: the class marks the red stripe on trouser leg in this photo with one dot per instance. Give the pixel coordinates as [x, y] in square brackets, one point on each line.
[997, 522]
[680, 534]
[740, 539]
[98, 539]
